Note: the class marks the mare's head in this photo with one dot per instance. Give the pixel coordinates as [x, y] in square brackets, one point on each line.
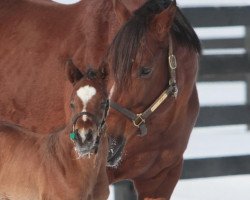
[89, 106]
[144, 67]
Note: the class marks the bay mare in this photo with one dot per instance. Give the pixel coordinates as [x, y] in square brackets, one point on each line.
[56, 166]
[41, 37]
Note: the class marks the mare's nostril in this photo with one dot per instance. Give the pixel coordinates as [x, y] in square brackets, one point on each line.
[89, 135]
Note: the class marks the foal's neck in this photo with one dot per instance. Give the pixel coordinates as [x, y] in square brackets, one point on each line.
[59, 144]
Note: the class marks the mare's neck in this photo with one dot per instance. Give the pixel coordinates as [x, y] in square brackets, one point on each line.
[93, 32]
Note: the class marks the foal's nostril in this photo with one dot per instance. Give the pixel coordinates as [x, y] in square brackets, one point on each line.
[89, 135]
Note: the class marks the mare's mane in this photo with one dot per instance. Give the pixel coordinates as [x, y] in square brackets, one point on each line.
[128, 40]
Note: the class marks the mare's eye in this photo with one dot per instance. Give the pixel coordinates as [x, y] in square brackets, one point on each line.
[145, 71]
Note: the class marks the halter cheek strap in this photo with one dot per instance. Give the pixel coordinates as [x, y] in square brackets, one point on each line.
[139, 120]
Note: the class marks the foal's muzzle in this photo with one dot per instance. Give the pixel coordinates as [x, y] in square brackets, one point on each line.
[86, 140]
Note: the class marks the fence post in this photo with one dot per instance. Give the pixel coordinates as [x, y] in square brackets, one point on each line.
[247, 44]
[124, 190]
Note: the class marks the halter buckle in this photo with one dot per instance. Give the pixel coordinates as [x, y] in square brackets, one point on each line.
[172, 62]
[138, 120]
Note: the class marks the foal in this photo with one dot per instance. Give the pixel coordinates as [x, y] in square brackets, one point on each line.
[67, 165]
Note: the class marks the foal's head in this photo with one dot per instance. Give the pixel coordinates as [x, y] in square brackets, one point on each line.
[89, 106]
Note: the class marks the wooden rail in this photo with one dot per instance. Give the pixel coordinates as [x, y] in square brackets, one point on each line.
[223, 43]
[218, 16]
[223, 65]
[211, 167]
[223, 115]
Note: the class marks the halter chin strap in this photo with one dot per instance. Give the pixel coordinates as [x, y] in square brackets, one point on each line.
[139, 120]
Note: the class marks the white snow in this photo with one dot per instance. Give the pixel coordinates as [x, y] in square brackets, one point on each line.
[67, 1]
[222, 93]
[220, 188]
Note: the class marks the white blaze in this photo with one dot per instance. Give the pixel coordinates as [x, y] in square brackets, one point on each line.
[85, 94]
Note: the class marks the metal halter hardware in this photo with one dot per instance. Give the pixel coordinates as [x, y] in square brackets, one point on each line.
[139, 120]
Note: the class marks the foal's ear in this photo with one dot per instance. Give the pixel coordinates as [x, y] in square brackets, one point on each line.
[162, 22]
[73, 73]
[121, 11]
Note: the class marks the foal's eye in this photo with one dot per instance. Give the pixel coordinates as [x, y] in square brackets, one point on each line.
[72, 105]
[145, 71]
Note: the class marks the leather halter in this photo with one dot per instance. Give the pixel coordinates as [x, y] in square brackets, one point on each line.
[100, 125]
[139, 120]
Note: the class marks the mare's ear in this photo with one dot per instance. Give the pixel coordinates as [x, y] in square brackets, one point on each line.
[162, 22]
[73, 73]
[121, 11]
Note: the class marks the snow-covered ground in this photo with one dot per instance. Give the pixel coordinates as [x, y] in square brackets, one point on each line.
[218, 142]
[215, 141]
[220, 188]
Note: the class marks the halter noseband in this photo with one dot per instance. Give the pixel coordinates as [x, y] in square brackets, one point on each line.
[139, 120]
[100, 125]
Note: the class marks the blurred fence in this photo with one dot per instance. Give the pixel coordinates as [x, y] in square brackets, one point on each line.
[214, 68]
[231, 67]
